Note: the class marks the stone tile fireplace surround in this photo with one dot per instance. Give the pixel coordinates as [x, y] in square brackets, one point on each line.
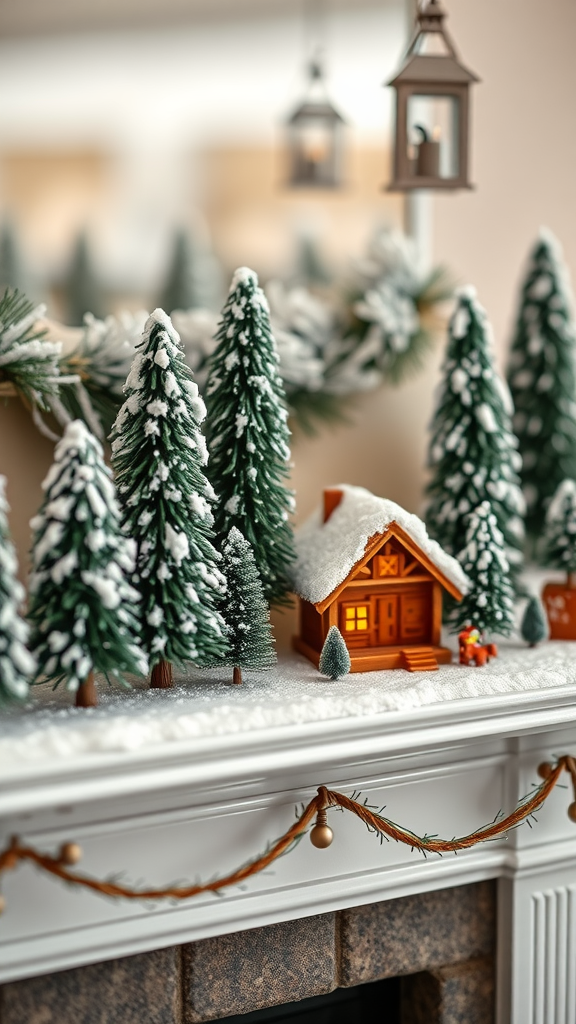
[441, 944]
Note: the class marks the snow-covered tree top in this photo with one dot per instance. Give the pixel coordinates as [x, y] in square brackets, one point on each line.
[243, 275]
[326, 552]
[76, 439]
[565, 495]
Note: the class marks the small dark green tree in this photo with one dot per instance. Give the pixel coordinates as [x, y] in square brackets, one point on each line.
[559, 540]
[334, 659]
[12, 272]
[159, 455]
[248, 434]
[473, 453]
[82, 290]
[17, 665]
[542, 378]
[83, 608]
[534, 626]
[489, 603]
[245, 611]
[194, 276]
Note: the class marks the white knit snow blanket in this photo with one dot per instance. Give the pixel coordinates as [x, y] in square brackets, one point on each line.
[205, 704]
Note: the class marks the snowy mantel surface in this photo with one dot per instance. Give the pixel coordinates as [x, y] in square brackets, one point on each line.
[206, 705]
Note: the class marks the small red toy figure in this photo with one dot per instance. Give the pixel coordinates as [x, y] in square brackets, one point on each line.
[472, 650]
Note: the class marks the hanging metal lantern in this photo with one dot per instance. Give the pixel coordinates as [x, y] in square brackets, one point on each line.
[315, 138]
[432, 137]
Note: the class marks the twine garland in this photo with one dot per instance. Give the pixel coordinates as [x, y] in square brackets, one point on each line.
[70, 853]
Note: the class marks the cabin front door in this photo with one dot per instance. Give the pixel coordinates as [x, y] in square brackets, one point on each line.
[388, 619]
[404, 618]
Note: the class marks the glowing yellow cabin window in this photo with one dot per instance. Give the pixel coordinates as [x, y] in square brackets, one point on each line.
[356, 618]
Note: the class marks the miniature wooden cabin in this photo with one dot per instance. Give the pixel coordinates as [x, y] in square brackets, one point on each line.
[368, 567]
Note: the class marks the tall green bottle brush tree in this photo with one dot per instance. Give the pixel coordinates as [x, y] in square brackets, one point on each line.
[542, 378]
[248, 435]
[473, 455]
[83, 606]
[248, 629]
[159, 457]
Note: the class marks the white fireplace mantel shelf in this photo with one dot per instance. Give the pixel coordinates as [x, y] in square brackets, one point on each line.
[193, 783]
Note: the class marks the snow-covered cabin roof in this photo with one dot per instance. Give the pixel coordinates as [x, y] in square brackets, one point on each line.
[327, 552]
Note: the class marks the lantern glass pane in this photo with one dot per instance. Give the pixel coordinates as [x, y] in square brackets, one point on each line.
[315, 155]
[433, 136]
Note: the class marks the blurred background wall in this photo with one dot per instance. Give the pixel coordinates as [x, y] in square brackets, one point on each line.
[130, 118]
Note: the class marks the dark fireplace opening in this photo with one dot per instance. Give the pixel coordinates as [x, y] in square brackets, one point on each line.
[378, 1001]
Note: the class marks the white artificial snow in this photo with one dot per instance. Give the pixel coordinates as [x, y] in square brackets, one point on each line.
[64, 567]
[327, 552]
[232, 504]
[162, 358]
[203, 704]
[241, 423]
[157, 408]
[177, 544]
[460, 322]
[486, 418]
[106, 589]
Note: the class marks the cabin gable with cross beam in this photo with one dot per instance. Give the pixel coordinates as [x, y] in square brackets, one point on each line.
[366, 565]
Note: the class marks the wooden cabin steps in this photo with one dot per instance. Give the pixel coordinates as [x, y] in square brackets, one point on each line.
[419, 659]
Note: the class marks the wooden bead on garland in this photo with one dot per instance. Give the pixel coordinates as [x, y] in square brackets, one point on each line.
[70, 853]
[321, 835]
[544, 770]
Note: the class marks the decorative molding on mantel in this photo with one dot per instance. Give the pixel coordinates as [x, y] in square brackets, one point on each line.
[268, 754]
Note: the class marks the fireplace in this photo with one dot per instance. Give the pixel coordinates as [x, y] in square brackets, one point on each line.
[423, 959]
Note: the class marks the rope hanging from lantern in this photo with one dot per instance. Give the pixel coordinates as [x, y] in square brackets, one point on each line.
[321, 836]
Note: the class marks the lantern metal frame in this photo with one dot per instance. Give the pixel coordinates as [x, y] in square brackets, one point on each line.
[315, 111]
[431, 76]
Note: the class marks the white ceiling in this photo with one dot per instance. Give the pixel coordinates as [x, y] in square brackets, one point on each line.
[39, 17]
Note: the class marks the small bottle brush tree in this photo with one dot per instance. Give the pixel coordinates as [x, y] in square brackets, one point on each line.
[542, 378]
[534, 626]
[559, 540]
[83, 609]
[159, 455]
[248, 435]
[489, 603]
[334, 658]
[248, 629]
[473, 453]
[16, 663]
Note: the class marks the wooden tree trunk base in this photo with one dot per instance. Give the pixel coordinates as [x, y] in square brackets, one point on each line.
[86, 694]
[237, 675]
[161, 678]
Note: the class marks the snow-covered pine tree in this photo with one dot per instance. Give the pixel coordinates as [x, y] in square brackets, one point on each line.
[534, 626]
[248, 434]
[83, 609]
[559, 540]
[334, 658]
[17, 665]
[473, 453]
[245, 611]
[489, 604]
[542, 378]
[159, 455]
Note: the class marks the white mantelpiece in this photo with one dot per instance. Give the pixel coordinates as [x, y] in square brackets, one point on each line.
[195, 802]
